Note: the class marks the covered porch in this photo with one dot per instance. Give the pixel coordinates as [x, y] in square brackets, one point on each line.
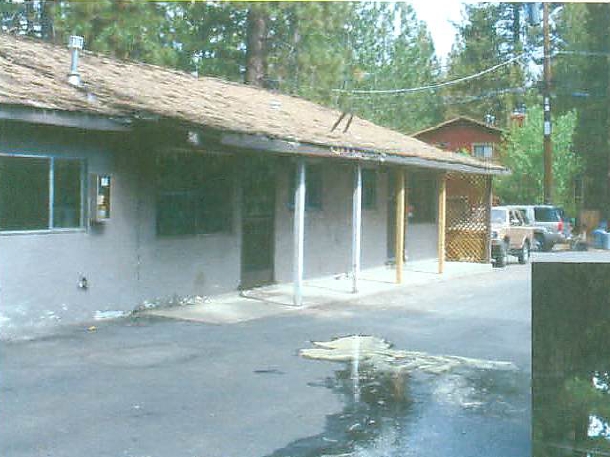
[277, 299]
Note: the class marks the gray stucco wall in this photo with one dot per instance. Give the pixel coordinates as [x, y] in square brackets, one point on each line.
[328, 231]
[126, 263]
[421, 241]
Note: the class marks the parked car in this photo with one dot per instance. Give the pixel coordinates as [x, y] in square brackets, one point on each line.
[549, 227]
[510, 235]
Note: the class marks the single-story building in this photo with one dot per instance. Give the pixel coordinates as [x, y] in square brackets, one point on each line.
[125, 183]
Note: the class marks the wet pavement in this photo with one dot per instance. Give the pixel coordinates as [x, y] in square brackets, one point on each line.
[414, 412]
[161, 387]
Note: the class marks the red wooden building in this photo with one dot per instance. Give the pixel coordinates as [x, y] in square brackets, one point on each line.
[469, 198]
[466, 135]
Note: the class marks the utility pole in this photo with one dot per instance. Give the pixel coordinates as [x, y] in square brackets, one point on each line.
[548, 145]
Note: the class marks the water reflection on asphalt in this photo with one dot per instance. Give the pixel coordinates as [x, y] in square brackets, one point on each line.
[466, 411]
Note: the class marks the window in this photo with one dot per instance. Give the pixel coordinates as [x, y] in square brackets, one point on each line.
[313, 187]
[546, 214]
[422, 198]
[483, 150]
[194, 195]
[40, 193]
[369, 189]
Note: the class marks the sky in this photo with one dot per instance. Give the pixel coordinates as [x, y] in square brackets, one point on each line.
[437, 14]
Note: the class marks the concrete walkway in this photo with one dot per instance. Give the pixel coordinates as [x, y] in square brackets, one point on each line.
[277, 299]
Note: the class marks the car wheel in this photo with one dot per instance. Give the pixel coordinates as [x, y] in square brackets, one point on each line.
[502, 258]
[524, 255]
[538, 242]
[547, 247]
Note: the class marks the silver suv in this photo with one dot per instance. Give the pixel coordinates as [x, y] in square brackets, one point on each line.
[547, 223]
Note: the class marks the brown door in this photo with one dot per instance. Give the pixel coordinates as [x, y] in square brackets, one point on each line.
[258, 220]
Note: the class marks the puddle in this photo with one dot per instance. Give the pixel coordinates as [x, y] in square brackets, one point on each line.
[398, 403]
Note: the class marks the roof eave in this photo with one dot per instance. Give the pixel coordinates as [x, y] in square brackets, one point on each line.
[63, 118]
[279, 146]
[453, 121]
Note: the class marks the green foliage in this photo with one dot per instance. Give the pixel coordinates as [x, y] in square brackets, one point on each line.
[32, 18]
[491, 33]
[390, 48]
[584, 71]
[212, 37]
[307, 48]
[127, 29]
[524, 157]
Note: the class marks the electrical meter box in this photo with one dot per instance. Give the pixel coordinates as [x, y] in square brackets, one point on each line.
[99, 188]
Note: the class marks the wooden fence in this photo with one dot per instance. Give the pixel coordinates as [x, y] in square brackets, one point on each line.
[467, 226]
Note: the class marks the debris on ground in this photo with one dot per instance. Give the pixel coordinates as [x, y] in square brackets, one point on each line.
[114, 314]
[381, 356]
[193, 300]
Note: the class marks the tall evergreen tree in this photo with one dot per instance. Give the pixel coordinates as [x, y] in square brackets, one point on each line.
[212, 37]
[582, 81]
[391, 49]
[304, 48]
[492, 33]
[127, 29]
[34, 18]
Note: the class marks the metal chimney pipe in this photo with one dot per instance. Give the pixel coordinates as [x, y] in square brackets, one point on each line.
[75, 44]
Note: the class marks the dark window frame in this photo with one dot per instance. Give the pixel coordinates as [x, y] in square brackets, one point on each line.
[52, 207]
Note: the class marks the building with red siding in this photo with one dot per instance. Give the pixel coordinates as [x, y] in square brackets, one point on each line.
[465, 135]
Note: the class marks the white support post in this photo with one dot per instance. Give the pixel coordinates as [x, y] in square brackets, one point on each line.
[299, 231]
[399, 252]
[356, 227]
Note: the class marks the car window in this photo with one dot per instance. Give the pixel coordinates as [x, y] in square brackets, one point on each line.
[544, 214]
[515, 218]
[522, 212]
[498, 216]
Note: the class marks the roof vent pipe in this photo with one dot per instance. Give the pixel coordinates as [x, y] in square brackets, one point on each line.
[75, 44]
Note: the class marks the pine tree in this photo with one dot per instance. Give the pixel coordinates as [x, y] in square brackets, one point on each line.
[391, 49]
[491, 34]
[127, 29]
[581, 73]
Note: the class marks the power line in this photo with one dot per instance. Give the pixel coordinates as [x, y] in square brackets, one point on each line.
[431, 86]
[583, 53]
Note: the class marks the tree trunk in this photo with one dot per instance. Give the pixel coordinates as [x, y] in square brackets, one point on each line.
[255, 54]
[516, 26]
[47, 13]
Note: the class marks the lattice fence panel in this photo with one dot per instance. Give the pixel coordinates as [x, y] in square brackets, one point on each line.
[467, 218]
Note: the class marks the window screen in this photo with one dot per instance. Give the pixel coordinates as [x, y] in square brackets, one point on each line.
[369, 189]
[24, 193]
[67, 193]
[194, 195]
[40, 193]
[313, 187]
[483, 151]
[422, 197]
